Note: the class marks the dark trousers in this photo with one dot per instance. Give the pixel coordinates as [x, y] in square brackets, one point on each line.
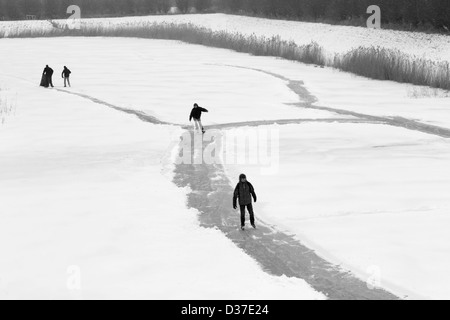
[66, 81]
[250, 211]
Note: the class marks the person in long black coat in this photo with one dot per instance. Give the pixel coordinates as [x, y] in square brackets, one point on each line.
[44, 82]
[47, 74]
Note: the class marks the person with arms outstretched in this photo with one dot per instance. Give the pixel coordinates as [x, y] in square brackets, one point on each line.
[66, 76]
[245, 192]
[196, 114]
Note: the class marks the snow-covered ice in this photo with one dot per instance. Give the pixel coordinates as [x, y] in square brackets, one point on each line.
[87, 188]
[161, 78]
[83, 186]
[365, 196]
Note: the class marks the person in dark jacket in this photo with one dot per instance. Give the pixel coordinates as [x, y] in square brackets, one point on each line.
[48, 73]
[196, 114]
[245, 192]
[66, 76]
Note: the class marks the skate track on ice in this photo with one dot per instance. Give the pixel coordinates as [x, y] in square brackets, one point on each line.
[308, 103]
[278, 253]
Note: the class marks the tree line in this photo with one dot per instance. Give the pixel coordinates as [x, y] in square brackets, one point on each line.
[429, 14]
[413, 14]
[52, 9]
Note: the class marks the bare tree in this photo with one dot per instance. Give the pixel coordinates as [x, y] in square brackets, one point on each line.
[202, 5]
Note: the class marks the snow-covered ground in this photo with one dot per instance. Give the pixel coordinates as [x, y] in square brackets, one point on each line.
[167, 88]
[334, 39]
[137, 74]
[87, 195]
[7, 104]
[83, 183]
[379, 98]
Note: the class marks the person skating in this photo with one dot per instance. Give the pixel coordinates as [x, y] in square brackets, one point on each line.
[48, 73]
[66, 76]
[196, 114]
[245, 192]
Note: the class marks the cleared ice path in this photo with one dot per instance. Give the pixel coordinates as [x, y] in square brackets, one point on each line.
[277, 253]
